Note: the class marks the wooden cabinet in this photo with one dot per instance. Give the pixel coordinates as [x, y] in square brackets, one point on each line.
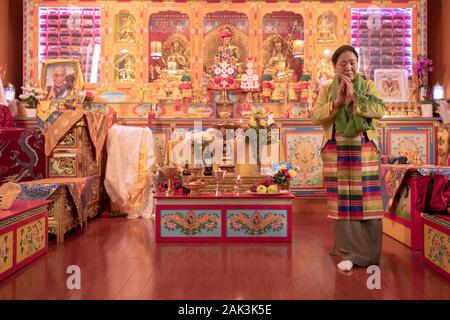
[74, 156]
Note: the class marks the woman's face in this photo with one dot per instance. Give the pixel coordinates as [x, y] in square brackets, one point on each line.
[347, 64]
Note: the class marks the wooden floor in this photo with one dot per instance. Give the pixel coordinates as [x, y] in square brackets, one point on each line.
[119, 259]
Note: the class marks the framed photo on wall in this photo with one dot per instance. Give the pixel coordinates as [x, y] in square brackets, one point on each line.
[392, 84]
[61, 77]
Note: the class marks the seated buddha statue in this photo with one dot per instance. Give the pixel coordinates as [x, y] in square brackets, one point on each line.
[176, 61]
[325, 72]
[278, 65]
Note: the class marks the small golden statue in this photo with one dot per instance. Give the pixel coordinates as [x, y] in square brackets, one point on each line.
[176, 58]
[125, 67]
[278, 63]
[326, 24]
[127, 32]
[325, 72]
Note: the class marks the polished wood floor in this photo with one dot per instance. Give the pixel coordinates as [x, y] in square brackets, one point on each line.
[119, 259]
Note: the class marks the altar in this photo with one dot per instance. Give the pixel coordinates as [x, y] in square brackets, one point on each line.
[226, 218]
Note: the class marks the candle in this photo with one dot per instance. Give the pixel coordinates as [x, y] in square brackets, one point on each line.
[238, 180]
[172, 66]
[155, 48]
[298, 48]
[240, 121]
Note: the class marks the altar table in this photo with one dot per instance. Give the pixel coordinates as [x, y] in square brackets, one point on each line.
[227, 218]
[23, 234]
[74, 200]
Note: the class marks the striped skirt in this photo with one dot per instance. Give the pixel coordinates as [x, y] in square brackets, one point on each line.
[351, 169]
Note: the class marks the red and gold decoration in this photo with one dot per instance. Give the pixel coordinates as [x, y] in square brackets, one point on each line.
[190, 223]
[255, 224]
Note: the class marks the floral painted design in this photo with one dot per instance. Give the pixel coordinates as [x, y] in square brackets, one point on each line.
[190, 223]
[4, 249]
[256, 224]
[31, 238]
[437, 248]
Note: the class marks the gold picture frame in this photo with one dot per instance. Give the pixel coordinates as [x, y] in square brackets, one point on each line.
[65, 72]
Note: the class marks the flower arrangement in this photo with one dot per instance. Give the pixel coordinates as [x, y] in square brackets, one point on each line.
[422, 67]
[283, 177]
[259, 122]
[177, 184]
[203, 138]
[32, 95]
[86, 98]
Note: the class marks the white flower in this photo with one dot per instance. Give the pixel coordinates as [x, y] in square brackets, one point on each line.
[207, 137]
[244, 77]
[255, 77]
[224, 65]
[24, 96]
[224, 71]
[230, 70]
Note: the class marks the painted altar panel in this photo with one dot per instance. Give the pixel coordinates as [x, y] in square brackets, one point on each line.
[183, 223]
[302, 148]
[416, 141]
[31, 238]
[6, 251]
[436, 253]
[268, 223]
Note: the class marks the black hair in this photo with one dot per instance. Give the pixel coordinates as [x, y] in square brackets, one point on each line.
[341, 50]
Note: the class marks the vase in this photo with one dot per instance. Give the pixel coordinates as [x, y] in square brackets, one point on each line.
[30, 112]
[208, 171]
[426, 110]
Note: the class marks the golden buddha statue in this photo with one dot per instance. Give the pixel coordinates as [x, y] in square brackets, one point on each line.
[128, 31]
[175, 57]
[325, 72]
[278, 64]
[125, 67]
[325, 27]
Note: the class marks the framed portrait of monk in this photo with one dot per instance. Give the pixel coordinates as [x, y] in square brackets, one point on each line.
[392, 84]
[61, 78]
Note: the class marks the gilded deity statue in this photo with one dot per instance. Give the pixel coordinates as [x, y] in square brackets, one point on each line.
[226, 51]
[325, 27]
[175, 57]
[325, 72]
[127, 32]
[278, 65]
[125, 67]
